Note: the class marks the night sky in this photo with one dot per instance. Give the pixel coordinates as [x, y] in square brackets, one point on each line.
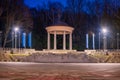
[36, 3]
[86, 5]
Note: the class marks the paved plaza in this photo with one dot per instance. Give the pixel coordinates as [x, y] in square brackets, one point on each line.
[59, 71]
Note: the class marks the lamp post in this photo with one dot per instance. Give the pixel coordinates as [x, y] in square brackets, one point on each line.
[12, 40]
[16, 29]
[104, 39]
[117, 41]
[99, 40]
[19, 41]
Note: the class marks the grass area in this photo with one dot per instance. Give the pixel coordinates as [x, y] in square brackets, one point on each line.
[100, 57]
[19, 54]
[11, 57]
[5, 57]
[107, 58]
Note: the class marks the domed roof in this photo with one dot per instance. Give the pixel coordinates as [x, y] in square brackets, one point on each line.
[60, 23]
[59, 27]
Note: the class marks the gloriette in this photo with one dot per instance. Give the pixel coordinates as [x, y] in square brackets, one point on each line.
[59, 28]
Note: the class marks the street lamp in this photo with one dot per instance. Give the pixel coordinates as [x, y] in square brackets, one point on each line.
[16, 29]
[104, 31]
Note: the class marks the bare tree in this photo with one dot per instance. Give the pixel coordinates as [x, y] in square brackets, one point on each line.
[1, 10]
[75, 18]
[16, 15]
[55, 11]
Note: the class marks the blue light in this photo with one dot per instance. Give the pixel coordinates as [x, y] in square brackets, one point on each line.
[87, 44]
[24, 40]
[30, 40]
[93, 41]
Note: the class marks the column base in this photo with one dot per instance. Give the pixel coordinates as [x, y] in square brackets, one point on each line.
[59, 51]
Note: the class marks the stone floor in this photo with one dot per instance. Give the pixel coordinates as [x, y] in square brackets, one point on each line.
[59, 71]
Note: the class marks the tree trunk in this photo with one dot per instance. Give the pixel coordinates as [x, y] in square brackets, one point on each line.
[6, 36]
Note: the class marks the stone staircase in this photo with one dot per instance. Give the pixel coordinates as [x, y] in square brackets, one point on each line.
[59, 58]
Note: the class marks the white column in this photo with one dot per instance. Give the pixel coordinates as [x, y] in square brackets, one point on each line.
[55, 40]
[70, 41]
[48, 41]
[64, 40]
